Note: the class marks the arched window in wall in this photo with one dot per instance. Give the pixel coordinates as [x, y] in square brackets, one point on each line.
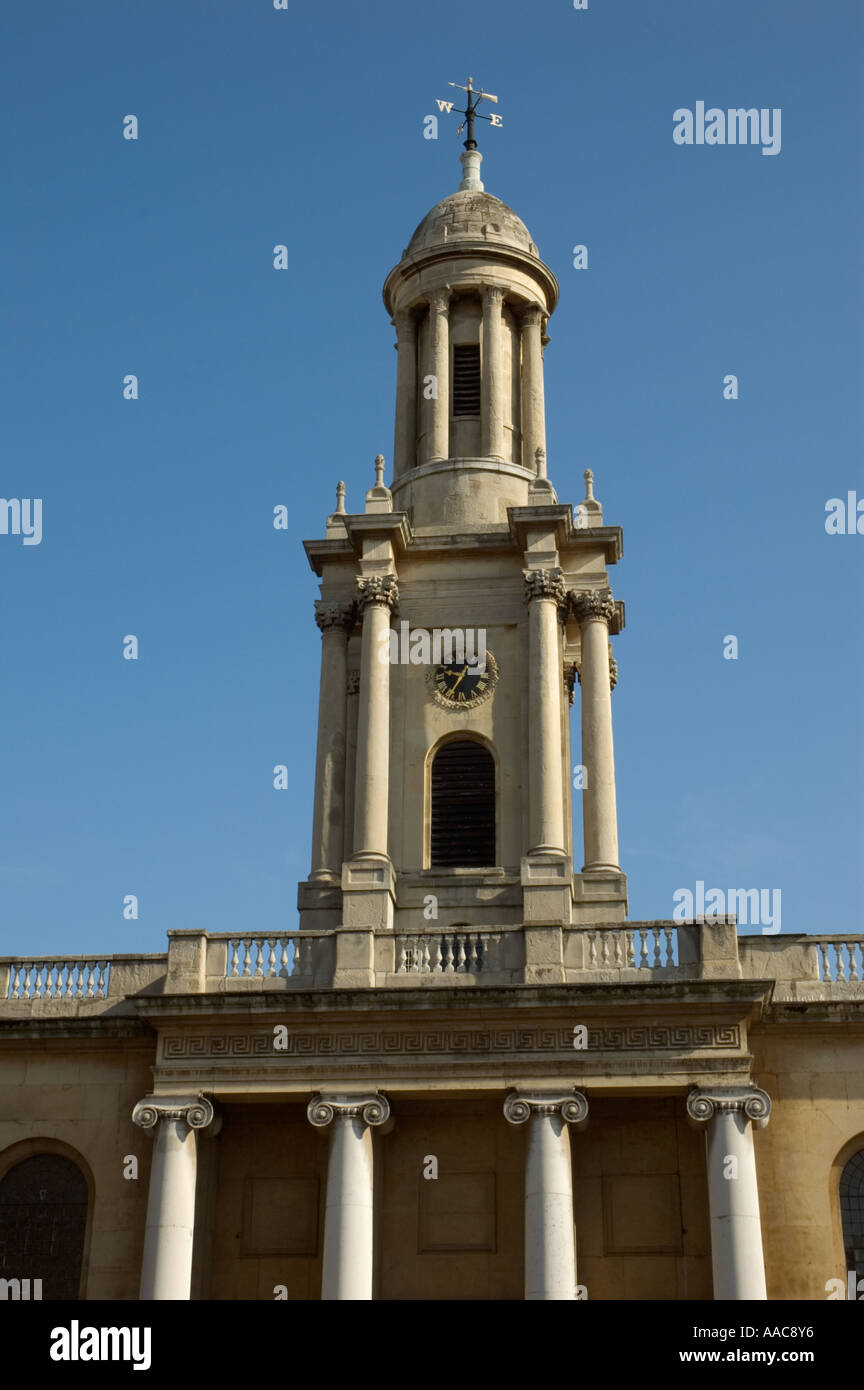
[463, 806]
[43, 1217]
[852, 1212]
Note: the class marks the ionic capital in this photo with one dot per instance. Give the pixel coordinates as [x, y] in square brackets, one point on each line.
[377, 589]
[196, 1111]
[587, 604]
[332, 617]
[545, 584]
[521, 1105]
[703, 1103]
[371, 1107]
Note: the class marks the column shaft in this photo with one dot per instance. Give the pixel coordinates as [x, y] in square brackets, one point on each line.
[328, 818]
[405, 439]
[348, 1261]
[550, 1256]
[730, 1115]
[544, 592]
[600, 816]
[492, 379]
[533, 406]
[373, 720]
[736, 1230]
[166, 1266]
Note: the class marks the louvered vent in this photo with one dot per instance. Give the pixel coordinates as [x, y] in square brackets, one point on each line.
[466, 379]
[463, 807]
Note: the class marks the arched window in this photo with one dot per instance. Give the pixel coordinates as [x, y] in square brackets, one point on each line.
[852, 1212]
[463, 806]
[43, 1216]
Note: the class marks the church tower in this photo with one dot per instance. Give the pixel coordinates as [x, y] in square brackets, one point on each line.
[458, 610]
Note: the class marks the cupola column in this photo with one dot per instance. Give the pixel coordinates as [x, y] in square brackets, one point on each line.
[594, 610]
[405, 442]
[533, 405]
[377, 595]
[545, 596]
[436, 379]
[492, 381]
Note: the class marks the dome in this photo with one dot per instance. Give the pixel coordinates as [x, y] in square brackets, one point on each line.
[470, 215]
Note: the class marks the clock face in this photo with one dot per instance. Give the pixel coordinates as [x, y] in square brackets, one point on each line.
[462, 684]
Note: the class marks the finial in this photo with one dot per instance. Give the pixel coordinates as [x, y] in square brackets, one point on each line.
[540, 461]
[472, 157]
[340, 499]
[379, 470]
[589, 485]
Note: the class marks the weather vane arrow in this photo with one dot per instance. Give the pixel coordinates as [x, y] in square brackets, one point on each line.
[470, 112]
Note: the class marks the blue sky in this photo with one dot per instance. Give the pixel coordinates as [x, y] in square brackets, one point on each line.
[258, 387]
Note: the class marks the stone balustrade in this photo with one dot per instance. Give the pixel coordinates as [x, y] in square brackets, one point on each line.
[801, 967]
[448, 953]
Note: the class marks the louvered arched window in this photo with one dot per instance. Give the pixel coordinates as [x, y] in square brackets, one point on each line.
[463, 806]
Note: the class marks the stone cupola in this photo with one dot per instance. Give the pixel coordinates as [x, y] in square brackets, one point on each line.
[470, 300]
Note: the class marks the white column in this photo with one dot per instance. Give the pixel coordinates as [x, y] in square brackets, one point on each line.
[328, 818]
[405, 439]
[436, 408]
[349, 1207]
[594, 610]
[545, 596]
[730, 1116]
[492, 378]
[550, 1247]
[166, 1268]
[533, 405]
[377, 596]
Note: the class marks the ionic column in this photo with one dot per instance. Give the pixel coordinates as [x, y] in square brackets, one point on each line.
[405, 439]
[550, 1250]
[348, 1214]
[492, 378]
[533, 406]
[335, 621]
[545, 596]
[594, 610]
[377, 595]
[730, 1115]
[436, 408]
[166, 1267]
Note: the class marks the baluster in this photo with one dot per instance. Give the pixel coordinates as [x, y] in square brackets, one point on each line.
[823, 961]
[604, 949]
[27, 970]
[89, 969]
[403, 957]
[855, 950]
[98, 970]
[14, 994]
[247, 958]
[483, 947]
[234, 967]
[438, 956]
[592, 950]
[643, 955]
[79, 979]
[284, 942]
[447, 954]
[671, 945]
[619, 950]
[628, 938]
[37, 980]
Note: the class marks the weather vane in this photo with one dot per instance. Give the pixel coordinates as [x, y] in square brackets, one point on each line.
[474, 98]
